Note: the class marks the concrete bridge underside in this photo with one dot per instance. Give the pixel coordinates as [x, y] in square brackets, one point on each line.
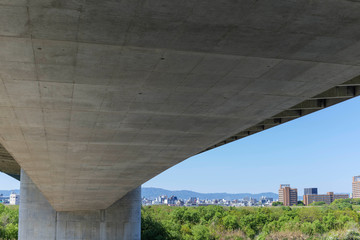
[97, 97]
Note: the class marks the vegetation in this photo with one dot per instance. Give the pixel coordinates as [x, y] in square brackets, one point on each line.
[9, 217]
[277, 204]
[300, 203]
[340, 220]
[320, 203]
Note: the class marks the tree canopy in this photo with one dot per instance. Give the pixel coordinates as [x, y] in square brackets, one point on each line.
[335, 221]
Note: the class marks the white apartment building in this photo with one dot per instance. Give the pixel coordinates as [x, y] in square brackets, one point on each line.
[14, 199]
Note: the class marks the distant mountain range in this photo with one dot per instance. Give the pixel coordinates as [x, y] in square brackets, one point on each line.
[153, 193]
[6, 193]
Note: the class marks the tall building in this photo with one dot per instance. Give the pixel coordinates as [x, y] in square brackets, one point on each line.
[288, 196]
[14, 199]
[327, 198]
[310, 191]
[356, 187]
[172, 200]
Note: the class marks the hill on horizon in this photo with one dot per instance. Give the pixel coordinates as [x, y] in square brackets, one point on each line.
[7, 193]
[153, 193]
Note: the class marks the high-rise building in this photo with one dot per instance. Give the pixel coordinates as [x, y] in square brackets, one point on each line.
[310, 191]
[356, 187]
[327, 198]
[288, 196]
[14, 199]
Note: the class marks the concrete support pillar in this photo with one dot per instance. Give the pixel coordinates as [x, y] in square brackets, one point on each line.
[39, 221]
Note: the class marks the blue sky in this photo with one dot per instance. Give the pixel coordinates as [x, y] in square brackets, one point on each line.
[319, 150]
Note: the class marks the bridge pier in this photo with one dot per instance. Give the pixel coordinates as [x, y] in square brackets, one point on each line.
[39, 221]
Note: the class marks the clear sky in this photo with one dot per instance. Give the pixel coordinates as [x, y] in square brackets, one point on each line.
[319, 150]
[8, 183]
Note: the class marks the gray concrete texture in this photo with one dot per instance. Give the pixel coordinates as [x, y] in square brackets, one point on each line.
[39, 221]
[97, 97]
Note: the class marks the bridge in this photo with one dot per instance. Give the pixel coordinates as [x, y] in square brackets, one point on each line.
[97, 97]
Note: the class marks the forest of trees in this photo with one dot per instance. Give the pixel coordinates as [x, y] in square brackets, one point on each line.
[340, 220]
[9, 218]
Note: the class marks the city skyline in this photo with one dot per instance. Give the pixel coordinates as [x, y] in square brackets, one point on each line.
[320, 150]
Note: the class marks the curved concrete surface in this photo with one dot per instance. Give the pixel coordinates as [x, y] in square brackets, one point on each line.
[97, 97]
